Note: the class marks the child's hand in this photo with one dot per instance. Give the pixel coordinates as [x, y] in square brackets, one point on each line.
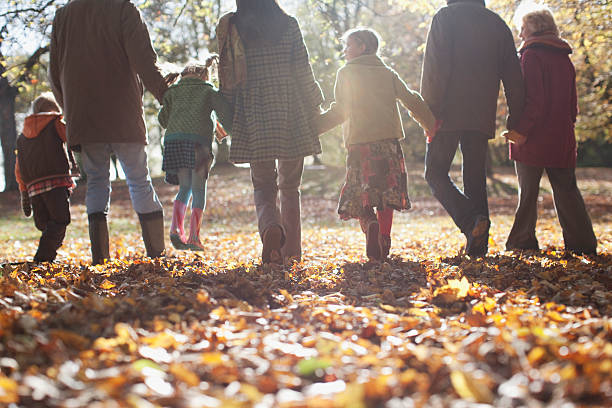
[220, 132]
[26, 205]
[514, 137]
[431, 133]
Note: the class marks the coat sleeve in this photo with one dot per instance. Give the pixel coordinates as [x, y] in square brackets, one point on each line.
[224, 110]
[140, 52]
[338, 111]
[512, 79]
[534, 94]
[435, 75]
[22, 185]
[574, 102]
[60, 127]
[54, 65]
[164, 112]
[303, 71]
[413, 101]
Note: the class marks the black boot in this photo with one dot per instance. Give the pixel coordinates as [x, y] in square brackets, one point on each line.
[152, 225]
[98, 235]
[50, 241]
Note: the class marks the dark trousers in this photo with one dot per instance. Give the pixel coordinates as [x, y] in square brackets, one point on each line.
[577, 228]
[462, 206]
[51, 216]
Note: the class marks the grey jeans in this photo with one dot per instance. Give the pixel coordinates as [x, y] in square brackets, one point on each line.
[270, 179]
[133, 159]
[577, 229]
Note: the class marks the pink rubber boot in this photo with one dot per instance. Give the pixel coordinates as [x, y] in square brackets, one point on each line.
[193, 243]
[177, 231]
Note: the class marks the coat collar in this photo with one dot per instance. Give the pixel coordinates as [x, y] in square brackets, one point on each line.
[449, 2]
[368, 59]
[546, 40]
[192, 81]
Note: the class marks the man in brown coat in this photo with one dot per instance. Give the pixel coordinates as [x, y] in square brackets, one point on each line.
[469, 50]
[100, 58]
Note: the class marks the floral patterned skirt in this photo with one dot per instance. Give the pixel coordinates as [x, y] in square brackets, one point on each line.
[375, 177]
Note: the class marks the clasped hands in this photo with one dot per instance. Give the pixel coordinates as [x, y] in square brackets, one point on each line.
[514, 137]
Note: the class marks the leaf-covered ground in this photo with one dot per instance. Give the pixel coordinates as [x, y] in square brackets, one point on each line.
[430, 327]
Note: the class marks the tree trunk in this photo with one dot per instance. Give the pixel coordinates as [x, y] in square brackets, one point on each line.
[8, 130]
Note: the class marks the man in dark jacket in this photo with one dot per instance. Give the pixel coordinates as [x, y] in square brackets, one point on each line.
[469, 50]
[100, 57]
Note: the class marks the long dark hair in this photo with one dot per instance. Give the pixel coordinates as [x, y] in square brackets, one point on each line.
[260, 21]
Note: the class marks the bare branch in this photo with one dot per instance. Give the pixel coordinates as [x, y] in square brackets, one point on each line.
[180, 13]
[35, 10]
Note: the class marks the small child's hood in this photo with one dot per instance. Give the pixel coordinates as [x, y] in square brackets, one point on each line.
[34, 124]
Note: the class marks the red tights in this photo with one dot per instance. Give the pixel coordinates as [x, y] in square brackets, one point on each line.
[385, 220]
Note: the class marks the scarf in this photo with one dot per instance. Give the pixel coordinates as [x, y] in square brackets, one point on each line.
[545, 39]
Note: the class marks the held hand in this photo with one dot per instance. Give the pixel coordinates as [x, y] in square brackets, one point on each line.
[220, 132]
[514, 137]
[431, 133]
[26, 205]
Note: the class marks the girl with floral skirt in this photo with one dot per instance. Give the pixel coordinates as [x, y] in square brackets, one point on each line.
[366, 94]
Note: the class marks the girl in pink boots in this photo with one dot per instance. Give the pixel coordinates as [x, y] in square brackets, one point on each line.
[187, 115]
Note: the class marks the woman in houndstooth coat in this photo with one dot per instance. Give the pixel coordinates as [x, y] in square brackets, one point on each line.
[275, 107]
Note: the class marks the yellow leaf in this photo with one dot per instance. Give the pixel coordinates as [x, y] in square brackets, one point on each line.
[203, 296]
[251, 392]
[287, 295]
[107, 284]
[555, 316]
[489, 304]
[212, 358]
[469, 388]
[184, 374]
[8, 390]
[568, 372]
[536, 354]
[352, 397]
[462, 286]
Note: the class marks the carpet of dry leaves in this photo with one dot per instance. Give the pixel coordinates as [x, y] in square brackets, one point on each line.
[430, 327]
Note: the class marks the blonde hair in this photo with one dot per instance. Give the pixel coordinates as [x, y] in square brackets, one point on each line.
[537, 19]
[45, 102]
[195, 69]
[366, 36]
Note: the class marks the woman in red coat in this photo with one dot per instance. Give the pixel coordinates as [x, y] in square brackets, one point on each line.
[544, 138]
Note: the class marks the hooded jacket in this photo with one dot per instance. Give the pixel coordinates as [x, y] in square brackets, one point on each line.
[100, 58]
[550, 104]
[469, 50]
[366, 95]
[41, 150]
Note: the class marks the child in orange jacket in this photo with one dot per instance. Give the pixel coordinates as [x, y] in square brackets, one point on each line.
[43, 171]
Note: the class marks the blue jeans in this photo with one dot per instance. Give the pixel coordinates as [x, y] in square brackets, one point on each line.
[462, 206]
[133, 159]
